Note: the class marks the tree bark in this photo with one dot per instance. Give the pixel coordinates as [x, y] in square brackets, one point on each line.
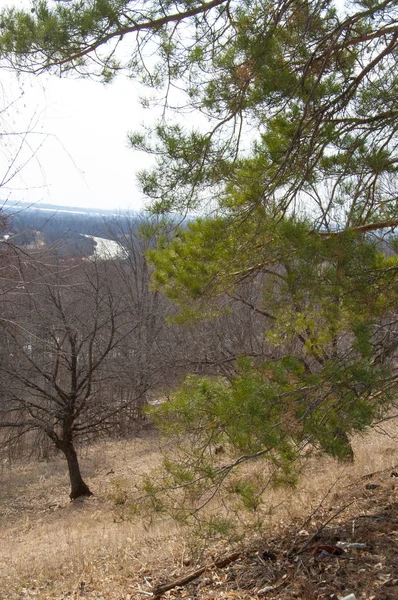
[78, 485]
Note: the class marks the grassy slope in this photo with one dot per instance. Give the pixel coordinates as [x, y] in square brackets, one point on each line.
[51, 548]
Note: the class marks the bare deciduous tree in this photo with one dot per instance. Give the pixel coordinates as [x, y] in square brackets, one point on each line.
[62, 324]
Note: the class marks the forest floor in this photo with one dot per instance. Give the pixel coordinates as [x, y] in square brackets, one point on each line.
[97, 549]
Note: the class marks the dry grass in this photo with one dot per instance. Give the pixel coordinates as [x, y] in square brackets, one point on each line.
[328, 481]
[92, 548]
[50, 545]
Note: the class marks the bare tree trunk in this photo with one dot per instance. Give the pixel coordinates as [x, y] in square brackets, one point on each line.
[78, 485]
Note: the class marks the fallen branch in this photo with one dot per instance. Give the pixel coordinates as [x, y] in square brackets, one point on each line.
[370, 475]
[222, 562]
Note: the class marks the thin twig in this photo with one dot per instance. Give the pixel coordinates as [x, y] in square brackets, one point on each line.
[322, 527]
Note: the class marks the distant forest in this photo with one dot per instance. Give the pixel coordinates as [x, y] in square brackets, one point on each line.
[33, 228]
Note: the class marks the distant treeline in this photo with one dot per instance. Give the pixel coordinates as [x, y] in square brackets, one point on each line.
[35, 228]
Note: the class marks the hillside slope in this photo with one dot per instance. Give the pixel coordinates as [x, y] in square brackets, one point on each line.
[97, 548]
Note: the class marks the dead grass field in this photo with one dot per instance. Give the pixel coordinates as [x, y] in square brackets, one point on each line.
[51, 548]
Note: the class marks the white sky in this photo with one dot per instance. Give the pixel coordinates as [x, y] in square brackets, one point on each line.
[84, 159]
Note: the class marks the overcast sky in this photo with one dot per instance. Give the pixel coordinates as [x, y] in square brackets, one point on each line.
[80, 133]
[82, 126]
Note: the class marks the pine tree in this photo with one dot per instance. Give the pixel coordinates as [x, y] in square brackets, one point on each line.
[292, 167]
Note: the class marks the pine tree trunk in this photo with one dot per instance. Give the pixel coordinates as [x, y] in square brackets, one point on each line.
[78, 486]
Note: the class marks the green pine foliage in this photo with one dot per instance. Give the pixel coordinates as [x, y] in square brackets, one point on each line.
[290, 171]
